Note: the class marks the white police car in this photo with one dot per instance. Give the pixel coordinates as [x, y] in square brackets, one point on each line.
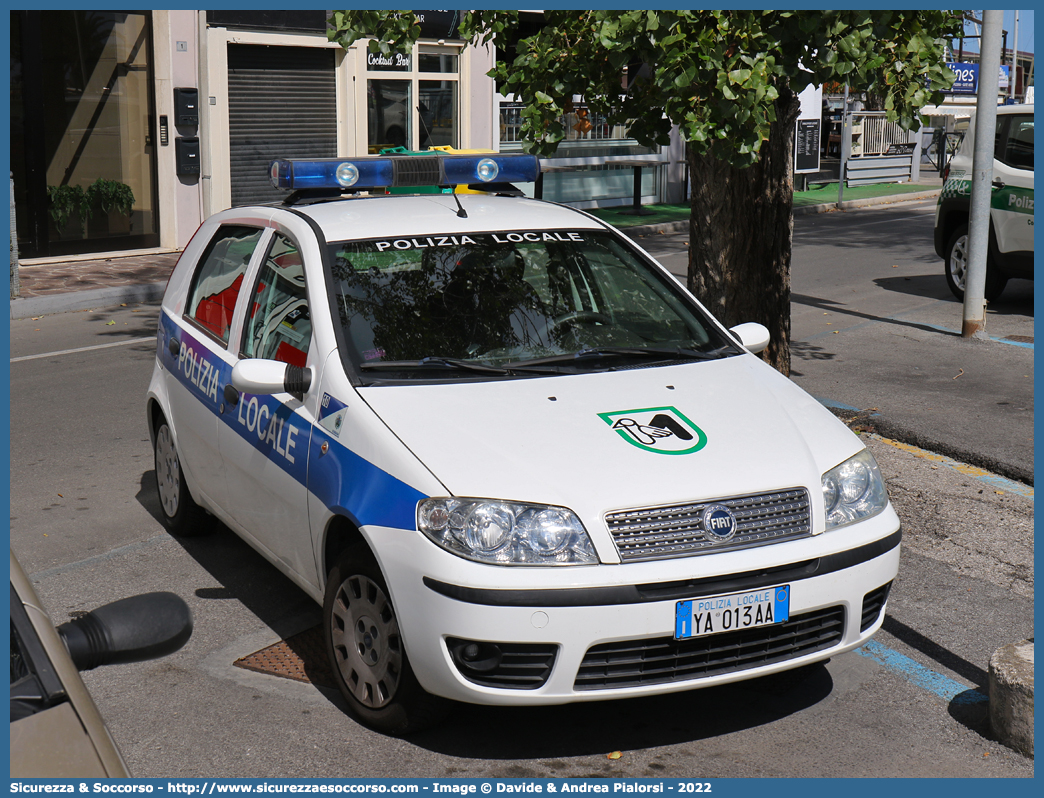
[515, 461]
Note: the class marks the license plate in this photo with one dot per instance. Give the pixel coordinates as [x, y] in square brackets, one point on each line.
[714, 614]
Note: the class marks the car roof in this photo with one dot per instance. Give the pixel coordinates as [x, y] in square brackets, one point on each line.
[397, 216]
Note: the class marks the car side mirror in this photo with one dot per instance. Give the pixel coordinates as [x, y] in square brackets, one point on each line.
[129, 630]
[266, 377]
[753, 336]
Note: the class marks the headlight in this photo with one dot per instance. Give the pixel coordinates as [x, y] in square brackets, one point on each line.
[853, 491]
[505, 533]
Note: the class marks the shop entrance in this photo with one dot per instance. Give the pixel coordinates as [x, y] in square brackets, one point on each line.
[82, 120]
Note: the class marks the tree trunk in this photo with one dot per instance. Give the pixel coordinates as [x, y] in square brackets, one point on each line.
[740, 234]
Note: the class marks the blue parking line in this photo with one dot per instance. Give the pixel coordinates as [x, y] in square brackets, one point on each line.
[916, 673]
[957, 332]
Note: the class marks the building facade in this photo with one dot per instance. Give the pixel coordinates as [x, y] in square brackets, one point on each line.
[129, 128]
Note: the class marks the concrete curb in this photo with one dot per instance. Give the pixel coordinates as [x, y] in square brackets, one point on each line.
[1011, 696]
[28, 307]
[827, 207]
[886, 428]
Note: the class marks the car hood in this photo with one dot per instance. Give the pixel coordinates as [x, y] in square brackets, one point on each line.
[613, 440]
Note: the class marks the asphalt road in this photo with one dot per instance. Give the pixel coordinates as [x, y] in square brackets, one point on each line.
[84, 524]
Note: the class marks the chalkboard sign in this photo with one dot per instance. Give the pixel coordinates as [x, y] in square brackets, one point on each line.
[806, 146]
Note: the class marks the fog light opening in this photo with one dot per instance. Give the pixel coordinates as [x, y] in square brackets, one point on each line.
[476, 657]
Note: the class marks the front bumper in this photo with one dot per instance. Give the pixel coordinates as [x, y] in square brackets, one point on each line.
[607, 631]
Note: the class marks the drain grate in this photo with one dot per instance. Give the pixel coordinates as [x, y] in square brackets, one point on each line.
[301, 658]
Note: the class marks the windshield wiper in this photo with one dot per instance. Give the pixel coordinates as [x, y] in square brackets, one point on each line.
[455, 364]
[654, 353]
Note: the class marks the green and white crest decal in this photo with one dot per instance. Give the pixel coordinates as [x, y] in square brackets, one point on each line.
[664, 430]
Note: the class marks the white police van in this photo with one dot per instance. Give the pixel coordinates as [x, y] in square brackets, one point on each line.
[515, 461]
[1010, 249]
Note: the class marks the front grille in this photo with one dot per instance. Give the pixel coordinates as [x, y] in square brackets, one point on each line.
[514, 666]
[873, 603]
[676, 530]
[661, 660]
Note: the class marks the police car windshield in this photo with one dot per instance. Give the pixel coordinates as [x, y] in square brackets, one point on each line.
[504, 299]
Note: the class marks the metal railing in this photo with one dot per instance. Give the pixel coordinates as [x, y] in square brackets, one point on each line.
[872, 134]
[580, 124]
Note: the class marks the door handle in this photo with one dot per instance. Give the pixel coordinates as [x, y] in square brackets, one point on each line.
[173, 346]
[997, 184]
[231, 395]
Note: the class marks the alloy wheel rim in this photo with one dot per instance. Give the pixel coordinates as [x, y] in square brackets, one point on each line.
[366, 642]
[168, 472]
[959, 261]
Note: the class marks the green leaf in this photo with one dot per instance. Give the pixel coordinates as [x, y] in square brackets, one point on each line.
[740, 75]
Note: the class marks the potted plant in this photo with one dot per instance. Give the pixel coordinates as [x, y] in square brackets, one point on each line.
[69, 208]
[115, 200]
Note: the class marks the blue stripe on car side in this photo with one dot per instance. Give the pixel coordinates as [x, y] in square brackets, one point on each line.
[345, 482]
[348, 484]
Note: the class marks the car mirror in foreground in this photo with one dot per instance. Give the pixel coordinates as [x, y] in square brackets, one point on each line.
[133, 629]
[266, 377]
[753, 336]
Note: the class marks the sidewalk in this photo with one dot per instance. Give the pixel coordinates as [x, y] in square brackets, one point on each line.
[68, 285]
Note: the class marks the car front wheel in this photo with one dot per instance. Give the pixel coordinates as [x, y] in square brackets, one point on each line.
[366, 650]
[957, 268]
[180, 513]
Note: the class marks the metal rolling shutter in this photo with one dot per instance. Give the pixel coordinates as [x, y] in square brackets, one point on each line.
[282, 104]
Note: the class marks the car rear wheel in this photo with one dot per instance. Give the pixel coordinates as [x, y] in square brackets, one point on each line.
[366, 650]
[957, 268]
[181, 515]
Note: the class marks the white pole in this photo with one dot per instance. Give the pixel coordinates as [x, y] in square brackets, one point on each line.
[1014, 58]
[15, 285]
[844, 129]
[982, 176]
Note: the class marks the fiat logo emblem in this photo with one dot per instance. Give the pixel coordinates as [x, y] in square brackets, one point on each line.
[719, 524]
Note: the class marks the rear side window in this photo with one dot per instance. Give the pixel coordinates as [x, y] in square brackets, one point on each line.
[216, 284]
[1018, 144]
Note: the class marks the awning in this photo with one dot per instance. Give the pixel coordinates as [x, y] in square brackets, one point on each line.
[948, 110]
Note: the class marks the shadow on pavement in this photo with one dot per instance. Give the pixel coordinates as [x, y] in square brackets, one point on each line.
[802, 350]
[1016, 299]
[244, 574]
[600, 727]
[973, 673]
[929, 286]
[135, 321]
[836, 307]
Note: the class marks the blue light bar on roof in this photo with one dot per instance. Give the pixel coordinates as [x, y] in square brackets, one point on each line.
[399, 171]
[330, 173]
[491, 168]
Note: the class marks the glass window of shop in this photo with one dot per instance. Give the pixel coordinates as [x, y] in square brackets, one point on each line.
[413, 101]
[82, 118]
[591, 137]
